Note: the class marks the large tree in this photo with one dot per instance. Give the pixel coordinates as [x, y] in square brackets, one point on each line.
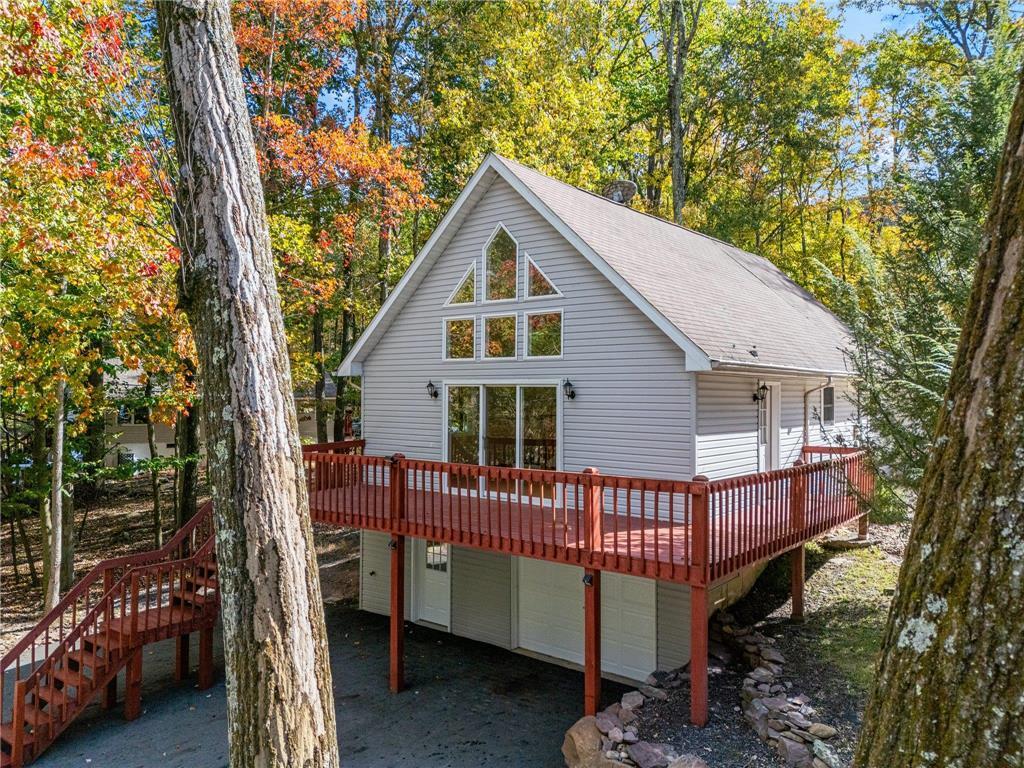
[950, 686]
[280, 704]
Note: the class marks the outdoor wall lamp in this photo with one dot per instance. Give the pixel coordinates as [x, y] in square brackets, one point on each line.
[761, 393]
[431, 390]
[588, 580]
[568, 389]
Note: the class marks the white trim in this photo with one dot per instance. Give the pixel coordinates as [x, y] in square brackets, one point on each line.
[526, 281]
[444, 338]
[696, 358]
[825, 424]
[483, 335]
[449, 302]
[526, 334]
[418, 579]
[735, 366]
[484, 299]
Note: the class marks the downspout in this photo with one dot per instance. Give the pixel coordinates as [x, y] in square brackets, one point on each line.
[807, 429]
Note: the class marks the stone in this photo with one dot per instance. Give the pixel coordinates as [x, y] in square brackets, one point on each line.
[606, 722]
[764, 687]
[800, 699]
[803, 735]
[819, 763]
[688, 761]
[772, 654]
[626, 716]
[797, 719]
[613, 709]
[762, 675]
[824, 752]
[840, 545]
[796, 754]
[822, 731]
[582, 746]
[632, 700]
[615, 734]
[778, 725]
[778, 689]
[776, 703]
[653, 693]
[720, 652]
[629, 736]
[647, 755]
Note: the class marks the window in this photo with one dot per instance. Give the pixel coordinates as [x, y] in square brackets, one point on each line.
[762, 422]
[828, 406]
[544, 334]
[460, 338]
[501, 257]
[126, 415]
[500, 337]
[537, 283]
[464, 425]
[437, 556]
[466, 292]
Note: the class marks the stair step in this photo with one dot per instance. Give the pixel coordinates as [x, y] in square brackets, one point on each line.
[37, 717]
[7, 734]
[102, 639]
[151, 618]
[195, 597]
[72, 677]
[53, 695]
[202, 581]
[89, 658]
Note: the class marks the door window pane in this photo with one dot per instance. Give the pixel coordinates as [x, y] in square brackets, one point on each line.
[500, 336]
[544, 334]
[540, 436]
[500, 431]
[464, 425]
[460, 339]
[437, 556]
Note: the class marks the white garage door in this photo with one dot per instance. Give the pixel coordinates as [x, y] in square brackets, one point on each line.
[551, 617]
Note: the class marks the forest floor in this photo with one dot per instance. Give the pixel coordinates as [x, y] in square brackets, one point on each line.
[122, 524]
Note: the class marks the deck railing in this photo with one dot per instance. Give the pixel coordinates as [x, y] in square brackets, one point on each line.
[688, 531]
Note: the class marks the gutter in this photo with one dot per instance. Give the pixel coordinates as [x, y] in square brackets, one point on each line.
[734, 365]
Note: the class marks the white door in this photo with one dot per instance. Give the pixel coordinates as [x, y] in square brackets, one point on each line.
[551, 617]
[432, 581]
[769, 411]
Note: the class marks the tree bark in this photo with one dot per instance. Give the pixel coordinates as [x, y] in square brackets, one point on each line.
[186, 446]
[53, 577]
[280, 704]
[319, 403]
[950, 684]
[40, 484]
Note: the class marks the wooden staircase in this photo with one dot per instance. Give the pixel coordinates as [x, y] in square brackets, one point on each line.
[100, 627]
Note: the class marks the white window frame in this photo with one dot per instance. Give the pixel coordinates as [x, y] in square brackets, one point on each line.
[526, 334]
[458, 285]
[485, 299]
[526, 281]
[444, 338]
[483, 335]
[828, 422]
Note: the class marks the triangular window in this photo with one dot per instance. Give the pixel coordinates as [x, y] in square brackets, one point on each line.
[466, 292]
[537, 283]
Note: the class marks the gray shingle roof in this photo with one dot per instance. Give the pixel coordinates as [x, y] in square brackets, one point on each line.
[730, 303]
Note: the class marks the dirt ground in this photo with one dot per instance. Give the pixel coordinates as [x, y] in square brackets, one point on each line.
[121, 524]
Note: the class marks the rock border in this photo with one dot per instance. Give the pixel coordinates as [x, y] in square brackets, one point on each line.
[782, 719]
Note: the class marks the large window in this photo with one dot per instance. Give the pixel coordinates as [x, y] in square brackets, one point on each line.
[544, 334]
[500, 337]
[460, 338]
[501, 258]
[503, 426]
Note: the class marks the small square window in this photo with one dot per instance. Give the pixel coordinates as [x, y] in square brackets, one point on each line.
[544, 334]
[460, 339]
[500, 337]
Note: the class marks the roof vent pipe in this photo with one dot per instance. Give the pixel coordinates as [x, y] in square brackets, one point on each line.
[620, 191]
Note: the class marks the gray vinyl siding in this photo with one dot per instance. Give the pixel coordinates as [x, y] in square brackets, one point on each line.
[375, 574]
[726, 425]
[482, 596]
[633, 405]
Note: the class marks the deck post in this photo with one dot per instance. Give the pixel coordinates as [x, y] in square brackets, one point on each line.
[133, 685]
[699, 571]
[110, 694]
[798, 500]
[396, 671]
[181, 643]
[593, 513]
[591, 641]
[18, 724]
[398, 483]
[797, 560]
[205, 658]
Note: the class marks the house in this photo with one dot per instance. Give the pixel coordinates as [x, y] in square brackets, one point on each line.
[547, 328]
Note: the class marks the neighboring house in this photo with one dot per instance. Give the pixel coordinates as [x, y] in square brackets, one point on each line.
[543, 326]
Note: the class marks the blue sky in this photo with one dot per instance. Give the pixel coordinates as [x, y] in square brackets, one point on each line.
[861, 24]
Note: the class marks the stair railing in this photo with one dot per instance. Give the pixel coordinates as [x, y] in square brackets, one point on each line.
[140, 588]
[79, 601]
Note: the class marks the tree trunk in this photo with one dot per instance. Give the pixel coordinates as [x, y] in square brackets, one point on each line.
[154, 473]
[67, 537]
[53, 577]
[950, 685]
[40, 484]
[186, 447]
[319, 404]
[675, 59]
[280, 704]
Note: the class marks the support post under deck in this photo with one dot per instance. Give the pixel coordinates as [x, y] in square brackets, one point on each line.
[797, 560]
[205, 658]
[133, 685]
[591, 641]
[396, 670]
[181, 667]
[699, 656]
